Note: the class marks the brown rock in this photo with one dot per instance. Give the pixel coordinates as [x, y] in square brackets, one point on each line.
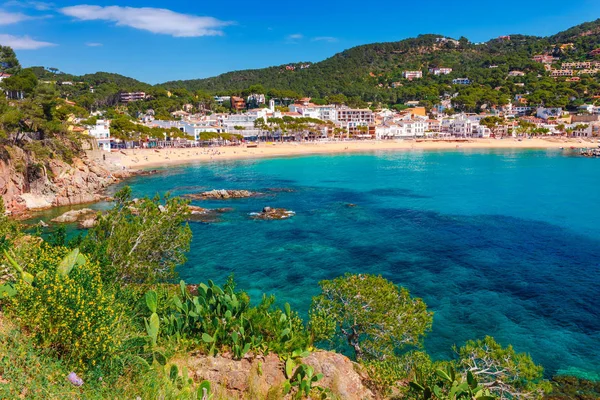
[269, 213]
[75, 215]
[255, 377]
[88, 223]
[221, 194]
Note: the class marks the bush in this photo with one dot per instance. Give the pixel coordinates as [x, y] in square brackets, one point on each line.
[72, 316]
[390, 375]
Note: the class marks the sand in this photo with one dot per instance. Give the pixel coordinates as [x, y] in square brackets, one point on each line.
[151, 158]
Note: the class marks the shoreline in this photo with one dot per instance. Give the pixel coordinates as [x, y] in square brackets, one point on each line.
[133, 159]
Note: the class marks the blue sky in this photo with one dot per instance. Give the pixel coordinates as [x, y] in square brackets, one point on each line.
[156, 41]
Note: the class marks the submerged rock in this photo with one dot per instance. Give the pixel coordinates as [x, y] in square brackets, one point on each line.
[199, 214]
[269, 213]
[221, 194]
[75, 216]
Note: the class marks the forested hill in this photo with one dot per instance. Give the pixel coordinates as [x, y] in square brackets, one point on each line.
[367, 71]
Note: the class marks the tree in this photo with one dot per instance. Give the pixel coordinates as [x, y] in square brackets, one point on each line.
[140, 241]
[337, 99]
[8, 60]
[492, 123]
[506, 373]
[372, 315]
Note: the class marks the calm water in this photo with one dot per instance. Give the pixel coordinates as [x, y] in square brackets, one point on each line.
[505, 243]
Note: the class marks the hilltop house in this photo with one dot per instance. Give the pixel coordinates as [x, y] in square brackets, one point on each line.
[410, 75]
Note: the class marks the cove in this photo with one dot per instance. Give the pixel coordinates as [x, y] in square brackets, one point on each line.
[500, 242]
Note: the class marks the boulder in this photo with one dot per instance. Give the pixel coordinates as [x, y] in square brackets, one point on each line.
[88, 223]
[75, 216]
[261, 376]
[269, 213]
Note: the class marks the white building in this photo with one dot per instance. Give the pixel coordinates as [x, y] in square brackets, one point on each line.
[440, 71]
[410, 75]
[402, 129]
[101, 132]
[545, 113]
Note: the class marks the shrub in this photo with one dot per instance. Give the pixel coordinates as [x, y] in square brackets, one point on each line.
[73, 315]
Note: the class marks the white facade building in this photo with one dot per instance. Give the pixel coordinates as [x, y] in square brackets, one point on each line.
[101, 132]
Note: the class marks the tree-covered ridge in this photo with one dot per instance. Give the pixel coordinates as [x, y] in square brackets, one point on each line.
[368, 71]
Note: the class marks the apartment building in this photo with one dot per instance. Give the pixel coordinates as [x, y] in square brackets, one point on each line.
[410, 75]
[581, 65]
[126, 97]
[544, 59]
[440, 71]
[561, 72]
[355, 116]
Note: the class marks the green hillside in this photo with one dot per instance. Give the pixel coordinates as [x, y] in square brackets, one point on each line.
[367, 71]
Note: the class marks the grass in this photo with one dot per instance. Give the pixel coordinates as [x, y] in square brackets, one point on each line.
[28, 373]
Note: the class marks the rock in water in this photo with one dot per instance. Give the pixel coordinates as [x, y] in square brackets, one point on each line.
[199, 214]
[222, 194]
[269, 213]
[75, 215]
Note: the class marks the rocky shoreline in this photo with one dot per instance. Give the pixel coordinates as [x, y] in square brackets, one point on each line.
[27, 185]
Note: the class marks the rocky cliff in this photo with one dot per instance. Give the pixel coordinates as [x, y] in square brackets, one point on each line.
[27, 183]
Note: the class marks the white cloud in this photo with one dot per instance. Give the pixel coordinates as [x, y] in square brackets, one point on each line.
[94, 44]
[23, 42]
[295, 36]
[7, 18]
[156, 20]
[328, 39]
[38, 5]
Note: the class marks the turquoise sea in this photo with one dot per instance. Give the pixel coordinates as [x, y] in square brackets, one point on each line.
[504, 243]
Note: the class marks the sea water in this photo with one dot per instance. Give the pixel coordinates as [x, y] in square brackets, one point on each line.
[500, 243]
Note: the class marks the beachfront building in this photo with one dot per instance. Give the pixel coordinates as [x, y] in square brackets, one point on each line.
[402, 129]
[410, 75]
[310, 110]
[243, 124]
[126, 97]
[101, 132]
[354, 118]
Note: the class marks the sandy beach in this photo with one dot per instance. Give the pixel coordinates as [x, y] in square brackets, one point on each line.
[149, 158]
